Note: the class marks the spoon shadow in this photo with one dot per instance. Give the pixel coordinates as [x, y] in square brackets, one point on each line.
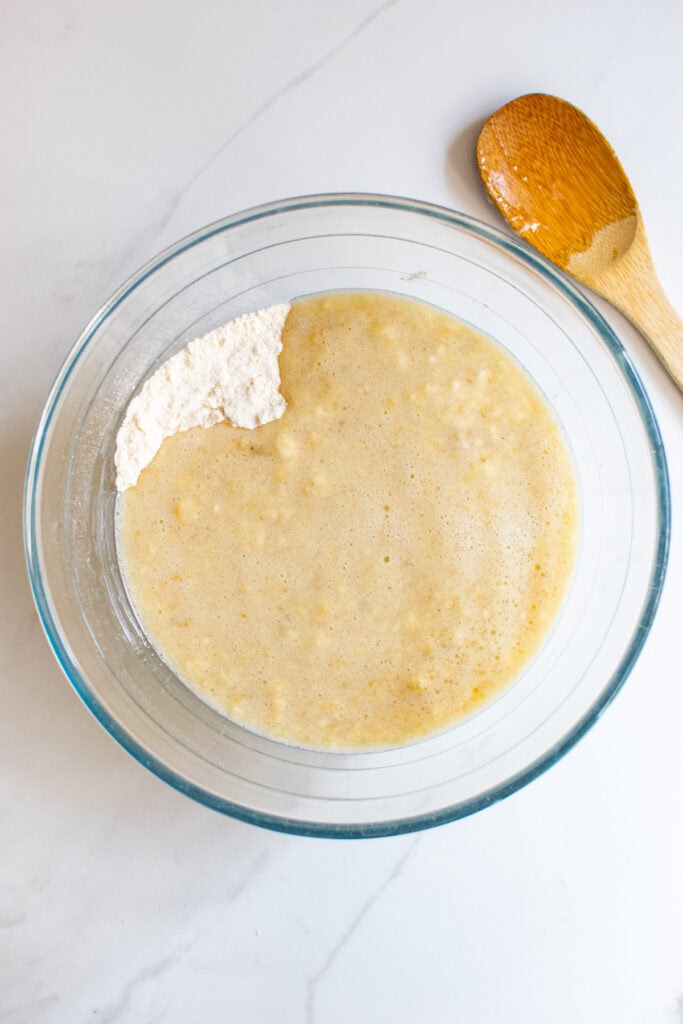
[462, 175]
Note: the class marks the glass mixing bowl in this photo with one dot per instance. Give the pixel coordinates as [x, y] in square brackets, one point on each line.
[273, 254]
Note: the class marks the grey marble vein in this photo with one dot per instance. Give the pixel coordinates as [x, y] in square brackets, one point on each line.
[27, 1011]
[352, 927]
[154, 970]
[159, 967]
[294, 83]
[160, 223]
[254, 870]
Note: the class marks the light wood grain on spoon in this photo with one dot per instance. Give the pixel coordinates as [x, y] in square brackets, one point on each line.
[558, 182]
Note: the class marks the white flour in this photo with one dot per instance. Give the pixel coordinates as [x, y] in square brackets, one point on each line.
[230, 374]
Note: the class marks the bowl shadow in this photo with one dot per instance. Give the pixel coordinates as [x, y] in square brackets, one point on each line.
[462, 175]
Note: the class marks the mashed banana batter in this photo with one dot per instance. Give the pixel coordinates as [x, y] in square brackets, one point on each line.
[378, 562]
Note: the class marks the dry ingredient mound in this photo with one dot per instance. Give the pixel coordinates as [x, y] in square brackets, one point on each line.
[230, 374]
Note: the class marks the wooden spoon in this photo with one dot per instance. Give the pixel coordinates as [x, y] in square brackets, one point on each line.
[558, 182]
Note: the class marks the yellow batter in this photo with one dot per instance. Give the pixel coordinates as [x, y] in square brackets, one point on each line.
[372, 566]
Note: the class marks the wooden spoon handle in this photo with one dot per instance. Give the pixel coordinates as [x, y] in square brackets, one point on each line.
[632, 285]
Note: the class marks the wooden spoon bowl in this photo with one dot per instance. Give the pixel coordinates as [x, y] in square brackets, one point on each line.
[558, 182]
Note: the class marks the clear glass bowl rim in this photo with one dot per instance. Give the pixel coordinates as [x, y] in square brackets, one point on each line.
[546, 270]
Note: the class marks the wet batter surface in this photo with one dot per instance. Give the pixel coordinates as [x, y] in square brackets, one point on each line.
[378, 562]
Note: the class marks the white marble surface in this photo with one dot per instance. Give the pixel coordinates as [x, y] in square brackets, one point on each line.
[126, 124]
